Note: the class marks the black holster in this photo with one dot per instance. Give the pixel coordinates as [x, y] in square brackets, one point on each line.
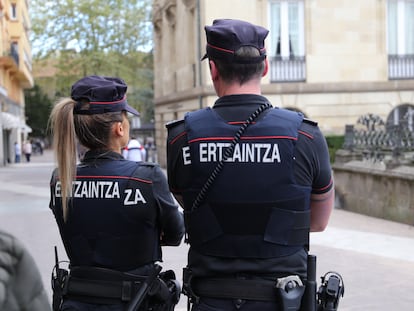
[289, 292]
[173, 290]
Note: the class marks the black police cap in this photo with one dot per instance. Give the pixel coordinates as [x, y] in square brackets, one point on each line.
[226, 36]
[104, 94]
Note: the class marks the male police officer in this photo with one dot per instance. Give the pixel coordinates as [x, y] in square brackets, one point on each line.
[253, 181]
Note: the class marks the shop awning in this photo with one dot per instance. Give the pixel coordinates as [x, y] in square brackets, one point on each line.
[26, 128]
[10, 121]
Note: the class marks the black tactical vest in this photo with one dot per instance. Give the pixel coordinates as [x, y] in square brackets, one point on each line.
[254, 209]
[112, 220]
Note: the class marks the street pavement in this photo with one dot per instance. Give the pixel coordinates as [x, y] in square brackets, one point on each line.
[375, 257]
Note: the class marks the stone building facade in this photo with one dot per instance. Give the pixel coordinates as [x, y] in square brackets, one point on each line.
[332, 60]
[15, 74]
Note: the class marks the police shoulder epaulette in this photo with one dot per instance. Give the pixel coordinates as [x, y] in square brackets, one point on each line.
[173, 123]
[149, 164]
[309, 121]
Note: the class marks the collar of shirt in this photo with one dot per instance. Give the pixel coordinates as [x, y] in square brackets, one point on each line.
[238, 107]
[93, 155]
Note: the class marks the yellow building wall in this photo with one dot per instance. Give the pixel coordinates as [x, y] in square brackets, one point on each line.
[345, 41]
[15, 72]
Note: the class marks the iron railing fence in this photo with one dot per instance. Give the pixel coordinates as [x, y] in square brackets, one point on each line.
[375, 139]
[400, 67]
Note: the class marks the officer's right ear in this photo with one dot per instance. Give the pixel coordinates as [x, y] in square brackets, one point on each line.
[266, 68]
[119, 128]
[213, 70]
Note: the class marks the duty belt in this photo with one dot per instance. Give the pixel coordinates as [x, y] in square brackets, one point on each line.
[233, 288]
[102, 286]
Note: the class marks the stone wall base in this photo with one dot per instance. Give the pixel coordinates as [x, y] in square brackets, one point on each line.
[372, 189]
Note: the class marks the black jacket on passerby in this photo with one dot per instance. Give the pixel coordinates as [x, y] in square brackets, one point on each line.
[21, 286]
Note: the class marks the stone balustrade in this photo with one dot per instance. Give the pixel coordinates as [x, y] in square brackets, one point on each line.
[374, 172]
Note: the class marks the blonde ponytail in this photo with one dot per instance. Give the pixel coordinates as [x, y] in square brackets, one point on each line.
[64, 145]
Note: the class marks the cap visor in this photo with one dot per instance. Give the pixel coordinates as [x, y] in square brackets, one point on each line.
[131, 110]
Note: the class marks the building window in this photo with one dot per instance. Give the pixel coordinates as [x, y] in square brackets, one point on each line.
[13, 11]
[14, 52]
[400, 26]
[287, 40]
[402, 115]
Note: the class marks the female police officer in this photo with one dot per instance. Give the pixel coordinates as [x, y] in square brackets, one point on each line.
[113, 214]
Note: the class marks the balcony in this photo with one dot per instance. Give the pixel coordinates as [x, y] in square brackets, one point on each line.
[19, 67]
[400, 67]
[292, 69]
[10, 58]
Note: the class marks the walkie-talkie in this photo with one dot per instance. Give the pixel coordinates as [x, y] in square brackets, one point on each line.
[330, 291]
[59, 276]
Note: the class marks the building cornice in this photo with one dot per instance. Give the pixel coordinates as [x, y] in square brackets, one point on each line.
[296, 88]
[337, 87]
[185, 95]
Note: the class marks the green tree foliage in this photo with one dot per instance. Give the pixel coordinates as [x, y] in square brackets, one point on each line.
[104, 37]
[37, 107]
[334, 142]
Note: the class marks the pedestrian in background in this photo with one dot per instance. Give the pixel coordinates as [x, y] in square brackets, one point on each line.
[253, 181]
[134, 151]
[27, 150]
[151, 150]
[17, 152]
[113, 214]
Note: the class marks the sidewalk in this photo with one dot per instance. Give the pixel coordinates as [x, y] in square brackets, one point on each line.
[374, 256]
[46, 157]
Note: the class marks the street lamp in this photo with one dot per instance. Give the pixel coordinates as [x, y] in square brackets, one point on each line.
[135, 122]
